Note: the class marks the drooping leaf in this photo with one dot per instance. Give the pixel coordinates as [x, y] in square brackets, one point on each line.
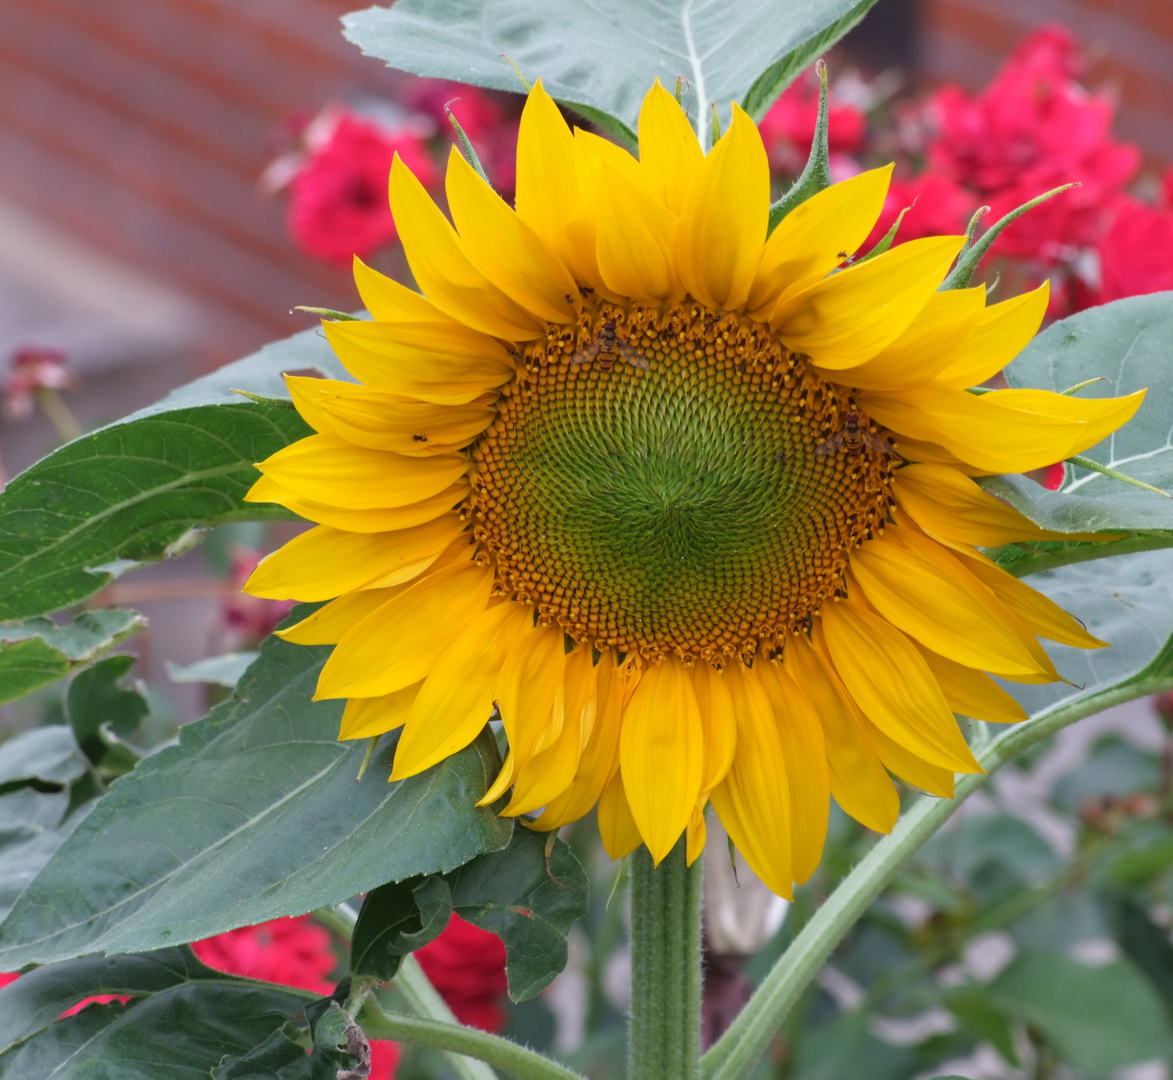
[600, 59]
[529, 905]
[142, 488]
[1127, 344]
[183, 1017]
[96, 698]
[511, 893]
[31, 829]
[1099, 1019]
[47, 754]
[37, 652]
[254, 815]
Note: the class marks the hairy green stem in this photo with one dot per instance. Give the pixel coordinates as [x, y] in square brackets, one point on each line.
[735, 1054]
[457, 1041]
[664, 1038]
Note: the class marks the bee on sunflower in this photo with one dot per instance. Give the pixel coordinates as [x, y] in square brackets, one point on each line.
[690, 503]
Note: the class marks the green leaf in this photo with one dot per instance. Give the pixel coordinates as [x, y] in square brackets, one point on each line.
[982, 1020]
[600, 59]
[224, 670]
[1127, 602]
[37, 652]
[510, 893]
[396, 919]
[31, 829]
[1099, 1019]
[1128, 342]
[844, 1047]
[529, 906]
[181, 1013]
[254, 815]
[49, 755]
[143, 488]
[1146, 943]
[279, 1057]
[95, 698]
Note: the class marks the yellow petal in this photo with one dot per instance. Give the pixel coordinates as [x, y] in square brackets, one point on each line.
[858, 780]
[851, 316]
[718, 722]
[1043, 616]
[502, 784]
[668, 149]
[817, 235]
[941, 330]
[397, 644]
[324, 562]
[389, 301]
[661, 755]
[616, 825]
[753, 801]
[547, 174]
[636, 241]
[382, 421]
[456, 699]
[890, 681]
[1004, 331]
[328, 469]
[385, 519]
[506, 249]
[443, 269]
[549, 773]
[948, 505]
[973, 693]
[600, 756]
[805, 755]
[329, 623]
[527, 688]
[724, 217]
[933, 607]
[697, 834]
[910, 768]
[365, 717]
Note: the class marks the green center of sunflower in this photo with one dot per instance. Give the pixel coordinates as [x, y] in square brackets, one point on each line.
[674, 481]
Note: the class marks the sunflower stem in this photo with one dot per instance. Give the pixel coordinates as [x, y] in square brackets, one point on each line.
[735, 1054]
[664, 1037]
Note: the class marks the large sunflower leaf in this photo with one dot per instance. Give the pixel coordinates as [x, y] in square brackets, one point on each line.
[1127, 602]
[31, 829]
[1126, 344]
[181, 1013]
[36, 652]
[254, 815]
[600, 59]
[141, 488]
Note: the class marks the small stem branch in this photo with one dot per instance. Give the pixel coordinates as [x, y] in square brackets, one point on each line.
[664, 1041]
[461, 1041]
[59, 414]
[735, 1054]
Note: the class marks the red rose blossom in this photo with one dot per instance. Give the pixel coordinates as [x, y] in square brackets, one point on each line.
[338, 204]
[467, 966]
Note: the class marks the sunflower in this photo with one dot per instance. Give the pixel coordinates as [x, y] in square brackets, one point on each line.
[689, 505]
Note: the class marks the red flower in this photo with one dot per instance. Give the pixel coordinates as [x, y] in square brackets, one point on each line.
[33, 369]
[251, 618]
[788, 128]
[936, 206]
[467, 966]
[1053, 476]
[338, 200]
[1136, 251]
[1032, 129]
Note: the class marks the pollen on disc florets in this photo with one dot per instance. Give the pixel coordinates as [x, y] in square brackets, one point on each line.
[682, 507]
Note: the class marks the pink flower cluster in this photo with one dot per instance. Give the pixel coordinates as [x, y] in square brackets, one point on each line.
[465, 964]
[1035, 127]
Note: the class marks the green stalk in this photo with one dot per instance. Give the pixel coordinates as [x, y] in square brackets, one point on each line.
[664, 1037]
[735, 1054]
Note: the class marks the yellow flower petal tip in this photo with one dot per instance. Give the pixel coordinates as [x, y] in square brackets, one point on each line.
[625, 471]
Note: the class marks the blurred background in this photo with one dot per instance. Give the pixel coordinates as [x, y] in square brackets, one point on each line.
[177, 175]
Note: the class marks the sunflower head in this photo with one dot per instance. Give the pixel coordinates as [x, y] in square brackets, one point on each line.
[692, 506]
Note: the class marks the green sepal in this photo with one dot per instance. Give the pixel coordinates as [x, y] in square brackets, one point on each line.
[466, 148]
[885, 241]
[817, 174]
[959, 277]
